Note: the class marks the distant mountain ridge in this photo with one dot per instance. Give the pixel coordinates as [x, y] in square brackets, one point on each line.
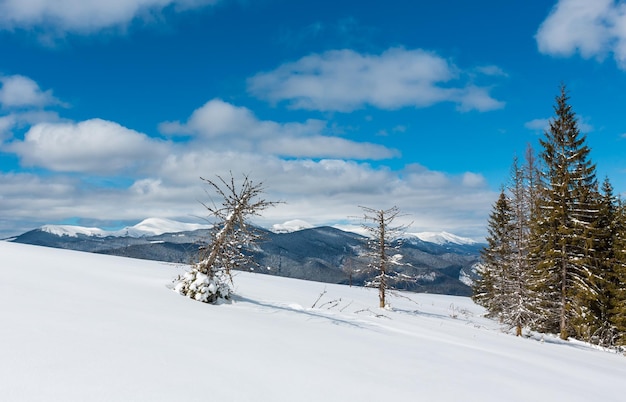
[159, 226]
[442, 238]
[442, 262]
[147, 227]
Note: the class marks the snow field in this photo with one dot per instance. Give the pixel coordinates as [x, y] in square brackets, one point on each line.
[84, 327]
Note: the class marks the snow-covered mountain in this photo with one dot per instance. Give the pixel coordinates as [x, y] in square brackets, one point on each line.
[322, 254]
[158, 226]
[442, 238]
[147, 227]
[86, 327]
[291, 226]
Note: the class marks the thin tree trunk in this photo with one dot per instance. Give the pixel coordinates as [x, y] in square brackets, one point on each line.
[220, 238]
[563, 328]
[383, 261]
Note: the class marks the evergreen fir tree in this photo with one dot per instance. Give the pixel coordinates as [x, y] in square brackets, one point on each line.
[563, 226]
[617, 313]
[489, 290]
[519, 298]
[597, 327]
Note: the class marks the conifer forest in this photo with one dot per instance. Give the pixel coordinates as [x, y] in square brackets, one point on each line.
[555, 259]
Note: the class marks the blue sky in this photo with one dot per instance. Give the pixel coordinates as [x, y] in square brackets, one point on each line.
[111, 111]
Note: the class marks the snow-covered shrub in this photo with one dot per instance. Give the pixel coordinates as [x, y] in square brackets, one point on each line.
[201, 287]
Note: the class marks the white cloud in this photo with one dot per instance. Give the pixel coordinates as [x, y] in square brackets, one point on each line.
[583, 125]
[542, 125]
[225, 126]
[327, 191]
[330, 190]
[19, 91]
[592, 28]
[320, 192]
[95, 146]
[344, 80]
[492, 70]
[476, 98]
[20, 119]
[6, 124]
[222, 138]
[473, 180]
[84, 16]
[327, 147]
[217, 118]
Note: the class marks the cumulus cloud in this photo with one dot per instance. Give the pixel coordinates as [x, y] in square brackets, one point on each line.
[320, 192]
[84, 16]
[18, 91]
[232, 127]
[24, 103]
[217, 118]
[594, 29]
[95, 146]
[6, 124]
[471, 179]
[328, 147]
[344, 80]
[17, 120]
[329, 191]
[323, 179]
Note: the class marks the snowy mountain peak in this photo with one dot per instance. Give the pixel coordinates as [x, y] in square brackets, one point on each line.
[73, 231]
[442, 238]
[291, 226]
[147, 227]
[158, 226]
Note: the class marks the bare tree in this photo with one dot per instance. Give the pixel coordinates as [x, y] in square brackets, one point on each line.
[383, 239]
[210, 278]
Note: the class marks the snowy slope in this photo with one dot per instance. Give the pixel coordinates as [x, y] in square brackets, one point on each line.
[85, 327]
[147, 227]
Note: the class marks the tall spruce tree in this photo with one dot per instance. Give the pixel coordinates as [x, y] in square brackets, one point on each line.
[563, 228]
[600, 325]
[489, 290]
[505, 272]
[519, 297]
[617, 313]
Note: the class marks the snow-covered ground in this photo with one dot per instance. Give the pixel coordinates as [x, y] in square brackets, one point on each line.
[85, 327]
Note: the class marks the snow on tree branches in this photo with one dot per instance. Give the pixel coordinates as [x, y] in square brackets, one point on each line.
[211, 278]
[383, 239]
[555, 258]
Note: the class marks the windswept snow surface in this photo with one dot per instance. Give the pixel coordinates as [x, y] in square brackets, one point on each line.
[147, 227]
[85, 327]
